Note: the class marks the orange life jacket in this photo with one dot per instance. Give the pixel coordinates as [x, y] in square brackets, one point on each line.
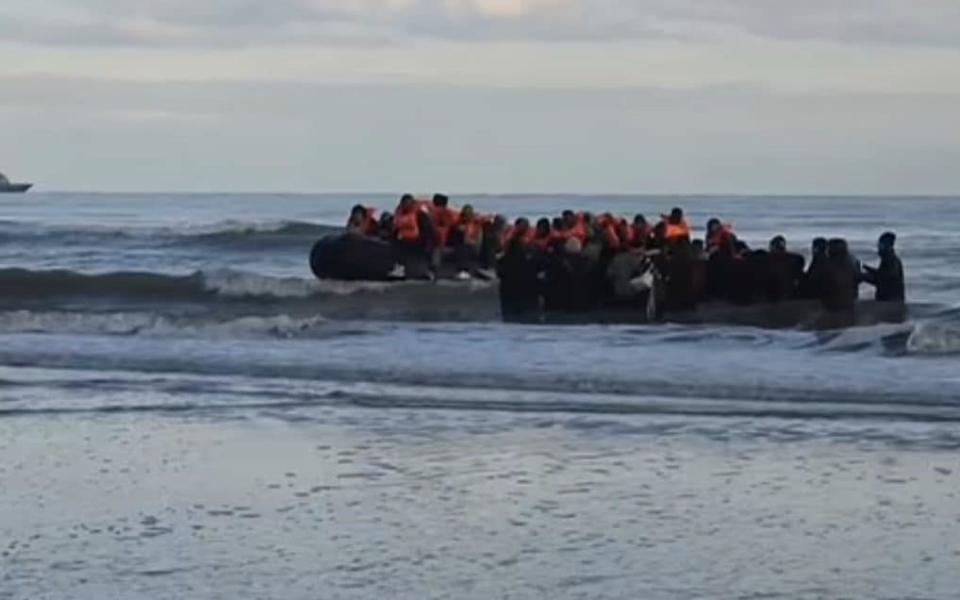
[639, 235]
[676, 231]
[443, 219]
[472, 231]
[408, 226]
[541, 243]
[721, 237]
[611, 236]
[578, 231]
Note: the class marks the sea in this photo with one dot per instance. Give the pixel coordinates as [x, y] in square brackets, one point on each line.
[186, 412]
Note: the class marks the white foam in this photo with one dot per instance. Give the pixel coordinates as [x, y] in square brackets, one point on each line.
[238, 283]
[934, 338]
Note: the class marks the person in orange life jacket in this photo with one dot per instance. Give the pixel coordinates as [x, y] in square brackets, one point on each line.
[610, 233]
[676, 226]
[558, 233]
[443, 218]
[574, 226]
[542, 236]
[519, 230]
[466, 241]
[363, 221]
[413, 233]
[719, 237]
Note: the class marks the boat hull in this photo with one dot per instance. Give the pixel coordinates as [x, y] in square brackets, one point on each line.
[15, 188]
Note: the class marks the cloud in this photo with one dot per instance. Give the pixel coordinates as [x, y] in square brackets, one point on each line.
[191, 23]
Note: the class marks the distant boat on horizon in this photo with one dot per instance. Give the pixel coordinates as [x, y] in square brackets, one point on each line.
[7, 186]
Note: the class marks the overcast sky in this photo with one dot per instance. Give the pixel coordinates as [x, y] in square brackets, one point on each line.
[723, 96]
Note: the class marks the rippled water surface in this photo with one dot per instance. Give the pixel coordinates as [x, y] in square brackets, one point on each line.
[186, 413]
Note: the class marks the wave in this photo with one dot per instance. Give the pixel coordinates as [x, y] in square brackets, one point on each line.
[244, 293]
[228, 235]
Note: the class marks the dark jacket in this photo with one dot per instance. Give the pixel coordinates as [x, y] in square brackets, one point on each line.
[888, 279]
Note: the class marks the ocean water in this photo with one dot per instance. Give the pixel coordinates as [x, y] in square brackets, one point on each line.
[185, 412]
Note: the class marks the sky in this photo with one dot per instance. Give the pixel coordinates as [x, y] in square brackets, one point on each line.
[581, 96]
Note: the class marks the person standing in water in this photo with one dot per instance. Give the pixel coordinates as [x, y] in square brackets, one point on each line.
[887, 278]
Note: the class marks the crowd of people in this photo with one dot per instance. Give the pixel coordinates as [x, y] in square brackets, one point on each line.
[579, 261]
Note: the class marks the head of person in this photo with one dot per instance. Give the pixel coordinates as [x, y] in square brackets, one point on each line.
[572, 246]
[467, 213]
[499, 222]
[358, 213]
[885, 245]
[407, 202]
[386, 221]
[676, 216]
[819, 246]
[713, 225]
[697, 248]
[543, 228]
[558, 224]
[441, 200]
[639, 221]
[837, 249]
[778, 245]
[569, 219]
[521, 226]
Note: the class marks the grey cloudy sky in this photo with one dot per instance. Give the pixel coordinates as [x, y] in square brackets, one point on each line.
[750, 96]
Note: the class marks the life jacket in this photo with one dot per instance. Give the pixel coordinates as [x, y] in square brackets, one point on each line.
[610, 235]
[639, 235]
[541, 243]
[721, 237]
[408, 226]
[443, 219]
[578, 231]
[676, 231]
[505, 236]
[472, 231]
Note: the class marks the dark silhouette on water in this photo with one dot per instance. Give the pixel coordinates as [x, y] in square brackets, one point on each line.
[7, 186]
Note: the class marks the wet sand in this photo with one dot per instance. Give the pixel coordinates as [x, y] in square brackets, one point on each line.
[444, 505]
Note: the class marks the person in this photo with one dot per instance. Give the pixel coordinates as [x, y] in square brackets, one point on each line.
[680, 276]
[443, 219]
[640, 232]
[840, 279]
[542, 236]
[567, 280]
[784, 270]
[363, 221]
[812, 279]
[413, 238]
[719, 237]
[887, 278]
[519, 230]
[574, 226]
[676, 227]
[467, 240]
[519, 284]
[610, 233]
